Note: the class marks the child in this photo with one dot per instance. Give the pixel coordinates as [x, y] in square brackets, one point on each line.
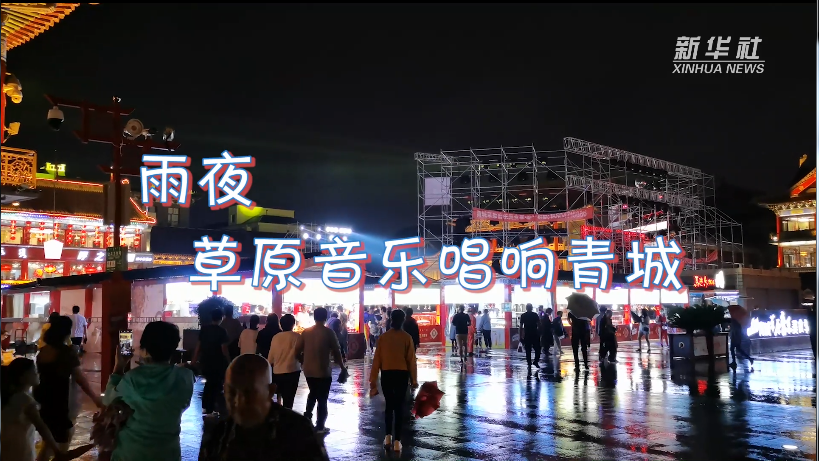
[20, 415]
[258, 429]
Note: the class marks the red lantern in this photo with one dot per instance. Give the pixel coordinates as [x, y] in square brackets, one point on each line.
[5, 268]
[50, 269]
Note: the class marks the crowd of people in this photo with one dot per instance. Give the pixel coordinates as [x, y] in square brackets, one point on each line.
[247, 370]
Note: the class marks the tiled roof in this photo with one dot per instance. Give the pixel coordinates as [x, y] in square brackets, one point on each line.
[25, 21]
[75, 198]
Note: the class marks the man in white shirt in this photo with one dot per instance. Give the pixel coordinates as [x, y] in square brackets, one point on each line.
[485, 327]
[284, 359]
[318, 342]
[79, 327]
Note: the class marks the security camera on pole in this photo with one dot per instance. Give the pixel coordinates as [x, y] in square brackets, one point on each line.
[116, 292]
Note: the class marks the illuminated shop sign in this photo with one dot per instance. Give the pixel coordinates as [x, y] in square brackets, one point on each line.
[768, 325]
[705, 282]
[69, 254]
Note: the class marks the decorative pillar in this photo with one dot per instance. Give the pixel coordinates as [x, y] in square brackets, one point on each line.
[277, 303]
[359, 328]
[116, 304]
[24, 269]
[444, 319]
[778, 241]
[507, 316]
[54, 300]
[3, 74]
[88, 307]
[392, 299]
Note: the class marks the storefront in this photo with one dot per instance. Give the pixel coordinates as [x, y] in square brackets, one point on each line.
[755, 289]
[425, 304]
[616, 299]
[28, 262]
[313, 293]
[492, 299]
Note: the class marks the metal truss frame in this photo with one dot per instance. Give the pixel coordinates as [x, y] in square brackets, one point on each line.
[631, 194]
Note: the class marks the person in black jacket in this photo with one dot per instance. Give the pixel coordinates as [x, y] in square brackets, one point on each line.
[581, 335]
[411, 327]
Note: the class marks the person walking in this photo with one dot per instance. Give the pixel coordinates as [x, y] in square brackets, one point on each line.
[247, 339]
[461, 321]
[395, 359]
[411, 327]
[318, 343]
[213, 357]
[335, 325]
[453, 338]
[20, 416]
[157, 391]
[375, 328]
[283, 357]
[472, 335]
[598, 330]
[581, 337]
[608, 337]
[662, 320]
[644, 331]
[739, 339]
[547, 340]
[558, 332]
[485, 328]
[266, 335]
[57, 365]
[79, 333]
[529, 326]
[342, 339]
[234, 328]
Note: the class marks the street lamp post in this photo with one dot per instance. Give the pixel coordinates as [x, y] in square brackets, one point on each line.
[117, 141]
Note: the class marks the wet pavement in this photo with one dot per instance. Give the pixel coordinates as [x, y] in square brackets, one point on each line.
[636, 409]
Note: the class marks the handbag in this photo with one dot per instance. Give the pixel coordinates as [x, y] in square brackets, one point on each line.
[107, 424]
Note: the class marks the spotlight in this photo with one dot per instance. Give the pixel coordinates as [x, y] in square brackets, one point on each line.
[15, 203]
[305, 236]
[318, 236]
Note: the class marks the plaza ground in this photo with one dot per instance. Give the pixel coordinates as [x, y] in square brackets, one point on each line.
[636, 410]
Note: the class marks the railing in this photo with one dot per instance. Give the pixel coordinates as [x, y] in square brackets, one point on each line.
[19, 167]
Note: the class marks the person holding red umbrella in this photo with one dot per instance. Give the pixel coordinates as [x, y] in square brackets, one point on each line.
[395, 358]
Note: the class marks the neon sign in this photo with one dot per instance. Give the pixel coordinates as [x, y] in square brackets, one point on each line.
[702, 281]
[774, 327]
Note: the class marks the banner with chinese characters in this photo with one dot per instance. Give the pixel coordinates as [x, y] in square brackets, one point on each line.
[479, 214]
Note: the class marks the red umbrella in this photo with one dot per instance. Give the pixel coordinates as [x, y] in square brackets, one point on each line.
[428, 399]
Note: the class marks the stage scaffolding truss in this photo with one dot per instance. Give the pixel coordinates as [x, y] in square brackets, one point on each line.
[629, 197]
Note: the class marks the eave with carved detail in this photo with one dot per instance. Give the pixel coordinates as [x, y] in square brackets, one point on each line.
[803, 204]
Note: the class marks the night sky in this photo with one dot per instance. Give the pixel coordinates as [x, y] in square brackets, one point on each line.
[334, 100]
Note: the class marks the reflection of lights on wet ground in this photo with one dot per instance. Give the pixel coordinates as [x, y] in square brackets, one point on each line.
[790, 447]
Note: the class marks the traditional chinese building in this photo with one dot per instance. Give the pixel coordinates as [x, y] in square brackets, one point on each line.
[21, 22]
[65, 230]
[796, 220]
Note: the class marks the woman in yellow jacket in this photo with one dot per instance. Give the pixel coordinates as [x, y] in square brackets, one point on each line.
[395, 358]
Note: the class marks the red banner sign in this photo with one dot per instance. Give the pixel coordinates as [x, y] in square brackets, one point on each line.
[479, 214]
[430, 333]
